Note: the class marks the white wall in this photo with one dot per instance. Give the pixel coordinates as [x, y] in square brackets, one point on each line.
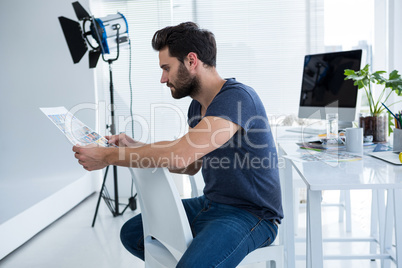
[36, 70]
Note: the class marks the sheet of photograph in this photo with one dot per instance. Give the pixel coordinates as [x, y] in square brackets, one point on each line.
[75, 131]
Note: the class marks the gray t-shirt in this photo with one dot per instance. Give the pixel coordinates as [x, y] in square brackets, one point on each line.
[244, 171]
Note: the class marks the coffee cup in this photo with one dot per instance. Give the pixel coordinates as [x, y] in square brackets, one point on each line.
[354, 140]
[397, 145]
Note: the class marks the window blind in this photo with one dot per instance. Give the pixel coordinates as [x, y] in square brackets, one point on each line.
[261, 43]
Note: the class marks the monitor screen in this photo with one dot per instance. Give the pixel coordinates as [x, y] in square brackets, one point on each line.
[324, 88]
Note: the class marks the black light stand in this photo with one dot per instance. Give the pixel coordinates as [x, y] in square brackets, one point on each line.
[112, 128]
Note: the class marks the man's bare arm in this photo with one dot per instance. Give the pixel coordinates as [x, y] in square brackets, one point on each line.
[191, 169]
[208, 135]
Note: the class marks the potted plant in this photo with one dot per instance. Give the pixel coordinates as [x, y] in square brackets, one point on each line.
[375, 124]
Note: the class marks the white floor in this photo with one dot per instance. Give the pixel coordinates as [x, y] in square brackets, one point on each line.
[71, 242]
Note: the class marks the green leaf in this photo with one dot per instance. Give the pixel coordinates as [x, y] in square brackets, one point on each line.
[394, 75]
[365, 70]
[398, 90]
[379, 72]
[378, 79]
[359, 83]
[365, 81]
[349, 72]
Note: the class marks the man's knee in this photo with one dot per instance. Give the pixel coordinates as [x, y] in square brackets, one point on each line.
[125, 233]
[132, 236]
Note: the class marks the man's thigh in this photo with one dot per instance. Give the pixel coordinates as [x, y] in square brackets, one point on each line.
[224, 235]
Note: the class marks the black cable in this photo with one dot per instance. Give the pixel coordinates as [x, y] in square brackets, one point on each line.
[131, 108]
[131, 92]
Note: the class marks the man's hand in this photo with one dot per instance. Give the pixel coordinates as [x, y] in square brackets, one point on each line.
[91, 157]
[122, 140]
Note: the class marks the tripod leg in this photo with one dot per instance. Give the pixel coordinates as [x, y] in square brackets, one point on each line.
[116, 192]
[100, 196]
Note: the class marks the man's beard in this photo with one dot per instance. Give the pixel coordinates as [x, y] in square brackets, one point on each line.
[185, 85]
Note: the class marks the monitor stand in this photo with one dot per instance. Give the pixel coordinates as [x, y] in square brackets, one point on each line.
[344, 124]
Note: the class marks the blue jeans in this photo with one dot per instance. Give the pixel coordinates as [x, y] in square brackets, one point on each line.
[223, 234]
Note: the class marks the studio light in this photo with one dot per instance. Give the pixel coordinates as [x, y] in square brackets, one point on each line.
[109, 34]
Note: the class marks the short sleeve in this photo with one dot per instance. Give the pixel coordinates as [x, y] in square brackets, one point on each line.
[234, 104]
[194, 113]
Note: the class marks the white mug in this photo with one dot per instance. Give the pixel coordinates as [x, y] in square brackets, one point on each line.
[354, 140]
[397, 145]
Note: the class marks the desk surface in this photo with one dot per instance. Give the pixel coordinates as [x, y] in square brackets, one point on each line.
[368, 173]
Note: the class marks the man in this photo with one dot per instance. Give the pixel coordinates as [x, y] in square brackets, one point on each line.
[229, 137]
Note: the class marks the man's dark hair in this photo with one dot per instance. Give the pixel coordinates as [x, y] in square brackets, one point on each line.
[185, 38]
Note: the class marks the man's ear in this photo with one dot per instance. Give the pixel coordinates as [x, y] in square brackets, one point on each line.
[192, 59]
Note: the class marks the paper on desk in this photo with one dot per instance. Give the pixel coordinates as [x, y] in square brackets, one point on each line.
[323, 156]
[75, 131]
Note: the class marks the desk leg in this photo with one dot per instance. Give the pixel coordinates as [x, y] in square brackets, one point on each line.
[398, 231]
[308, 233]
[314, 248]
[287, 188]
[345, 212]
[386, 263]
[374, 221]
[348, 211]
[381, 216]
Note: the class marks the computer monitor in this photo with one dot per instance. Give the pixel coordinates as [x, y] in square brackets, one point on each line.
[324, 88]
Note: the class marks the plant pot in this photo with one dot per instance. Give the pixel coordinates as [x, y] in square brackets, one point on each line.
[375, 126]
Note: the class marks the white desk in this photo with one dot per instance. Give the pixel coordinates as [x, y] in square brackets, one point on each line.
[369, 173]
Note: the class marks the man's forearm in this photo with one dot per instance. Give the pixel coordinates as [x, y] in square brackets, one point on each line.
[208, 135]
[162, 154]
[191, 169]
